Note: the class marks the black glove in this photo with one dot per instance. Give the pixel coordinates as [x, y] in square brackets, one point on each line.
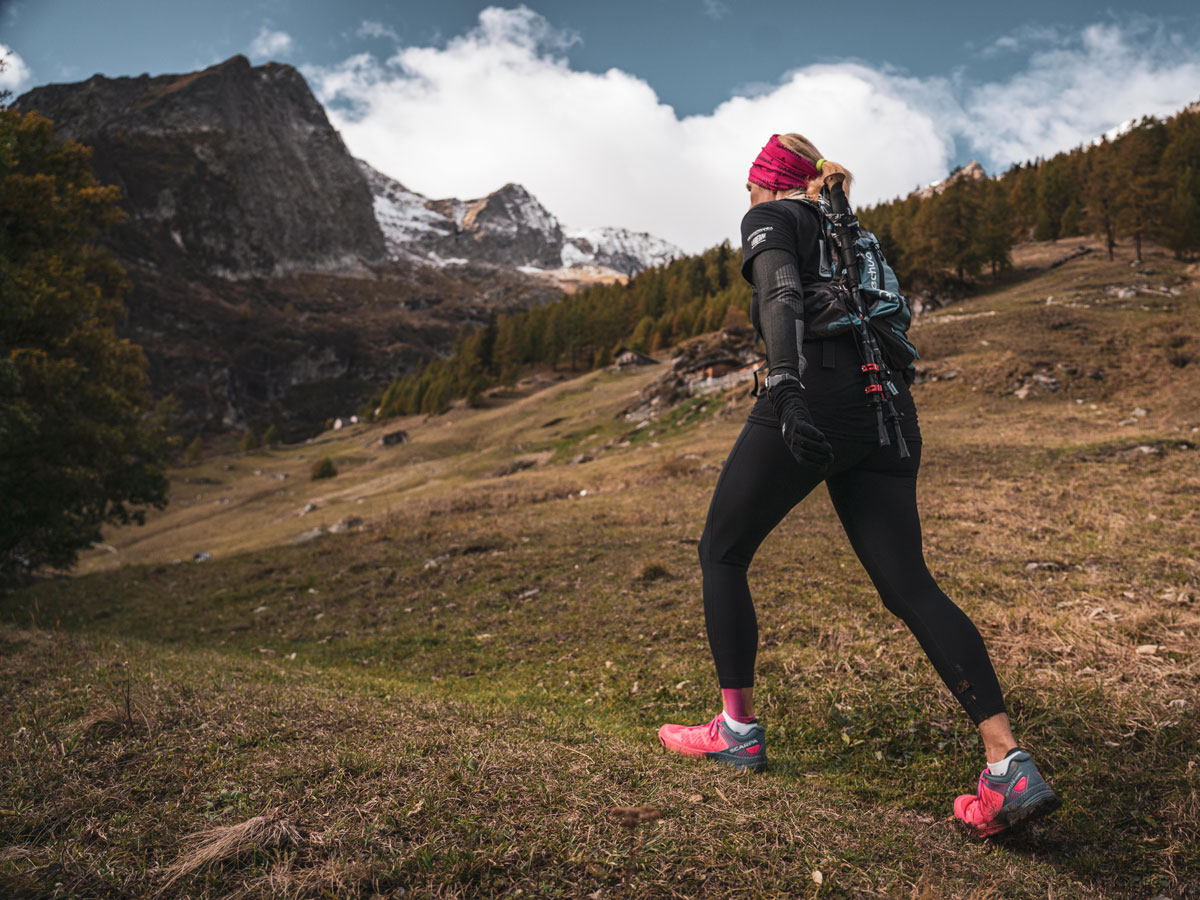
[803, 438]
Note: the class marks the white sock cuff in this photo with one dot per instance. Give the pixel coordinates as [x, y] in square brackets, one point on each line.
[1001, 767]
[735, 726]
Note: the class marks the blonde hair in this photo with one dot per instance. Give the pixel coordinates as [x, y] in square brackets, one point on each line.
[801, 145]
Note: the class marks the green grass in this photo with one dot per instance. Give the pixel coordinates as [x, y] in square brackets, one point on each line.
[450, 701]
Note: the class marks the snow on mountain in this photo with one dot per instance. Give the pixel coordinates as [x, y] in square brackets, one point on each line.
[403, 215]
[972, 171]
[617, 248]
[1113, 133]
[508, 227]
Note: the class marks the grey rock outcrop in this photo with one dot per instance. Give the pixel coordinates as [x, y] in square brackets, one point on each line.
[972, 171]
[234, 166]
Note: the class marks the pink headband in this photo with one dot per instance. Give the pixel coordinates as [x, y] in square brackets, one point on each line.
[779, 169]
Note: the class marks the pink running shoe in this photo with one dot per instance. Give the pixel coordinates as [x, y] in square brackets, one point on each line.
[1006, 800]
[716, 740]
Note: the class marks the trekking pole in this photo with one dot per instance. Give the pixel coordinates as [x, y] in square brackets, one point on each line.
[845, 235]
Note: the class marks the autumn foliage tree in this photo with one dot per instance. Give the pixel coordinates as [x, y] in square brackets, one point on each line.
[79, 446]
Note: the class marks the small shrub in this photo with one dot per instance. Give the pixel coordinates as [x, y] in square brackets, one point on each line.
[271, 436]
[323, 468]
[653, 572]
[250, 441]
[194, 451]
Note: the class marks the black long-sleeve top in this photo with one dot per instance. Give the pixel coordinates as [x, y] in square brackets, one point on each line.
[781, 254]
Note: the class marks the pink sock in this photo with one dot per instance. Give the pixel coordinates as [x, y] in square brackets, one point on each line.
[734, 705]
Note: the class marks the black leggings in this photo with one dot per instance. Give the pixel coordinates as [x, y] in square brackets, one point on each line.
[875, 494]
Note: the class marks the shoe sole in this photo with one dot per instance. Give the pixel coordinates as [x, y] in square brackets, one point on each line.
[1040, 805]
[737, 762]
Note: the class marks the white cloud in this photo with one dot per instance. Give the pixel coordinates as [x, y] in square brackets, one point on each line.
[16, 75]
[271, 44]
[715, 9]
[369, 29]
[500, 103]
[1073, 92]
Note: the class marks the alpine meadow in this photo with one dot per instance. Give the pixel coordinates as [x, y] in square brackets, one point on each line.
[350, 537]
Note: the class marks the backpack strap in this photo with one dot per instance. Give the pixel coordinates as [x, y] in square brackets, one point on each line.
[824, 246]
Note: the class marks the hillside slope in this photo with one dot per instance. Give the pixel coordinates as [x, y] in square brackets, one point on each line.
[450, 697]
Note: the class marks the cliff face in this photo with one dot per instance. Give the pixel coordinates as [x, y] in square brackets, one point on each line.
[261, 288]
[235, 169]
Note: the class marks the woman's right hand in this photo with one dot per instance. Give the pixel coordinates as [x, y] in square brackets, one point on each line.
[804, 439]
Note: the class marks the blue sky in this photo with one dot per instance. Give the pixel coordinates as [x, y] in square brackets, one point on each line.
[658, 104]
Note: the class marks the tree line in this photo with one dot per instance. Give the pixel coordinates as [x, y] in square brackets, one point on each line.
[1144, 185]
[654, 309]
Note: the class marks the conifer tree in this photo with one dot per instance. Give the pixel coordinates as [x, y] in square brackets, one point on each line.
[1101, 194]
[1140, 194]
[250, 441]
[994, 235]
[78, 449]
[1182, 231]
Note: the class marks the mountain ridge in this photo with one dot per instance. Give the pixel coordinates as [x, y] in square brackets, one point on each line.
[507, 226]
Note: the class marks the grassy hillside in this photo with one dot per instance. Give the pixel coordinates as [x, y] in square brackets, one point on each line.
[452, 697]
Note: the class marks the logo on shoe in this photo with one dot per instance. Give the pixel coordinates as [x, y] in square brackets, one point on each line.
[1020, 785]
[752, 746]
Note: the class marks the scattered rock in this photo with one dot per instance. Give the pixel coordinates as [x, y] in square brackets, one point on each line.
[308, 507]
[513, 465]
[581, 459]
[709, 362]
[392, 438]
[346, 524]
[202, 556]
[627, 358]
[311, 535]
[337, 424]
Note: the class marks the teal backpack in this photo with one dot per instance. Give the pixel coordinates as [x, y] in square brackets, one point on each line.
[827, 312]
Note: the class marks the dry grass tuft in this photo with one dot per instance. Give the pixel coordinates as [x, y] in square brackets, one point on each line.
[227, 843]
[633, 816]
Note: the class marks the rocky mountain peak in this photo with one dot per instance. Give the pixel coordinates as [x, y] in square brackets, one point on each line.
[235, 167]
[508, 227]
[972, 171]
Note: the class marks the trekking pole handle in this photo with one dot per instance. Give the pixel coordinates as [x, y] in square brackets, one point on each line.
[843, 226]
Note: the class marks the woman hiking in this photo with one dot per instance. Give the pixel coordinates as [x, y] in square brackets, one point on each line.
[813, 424]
